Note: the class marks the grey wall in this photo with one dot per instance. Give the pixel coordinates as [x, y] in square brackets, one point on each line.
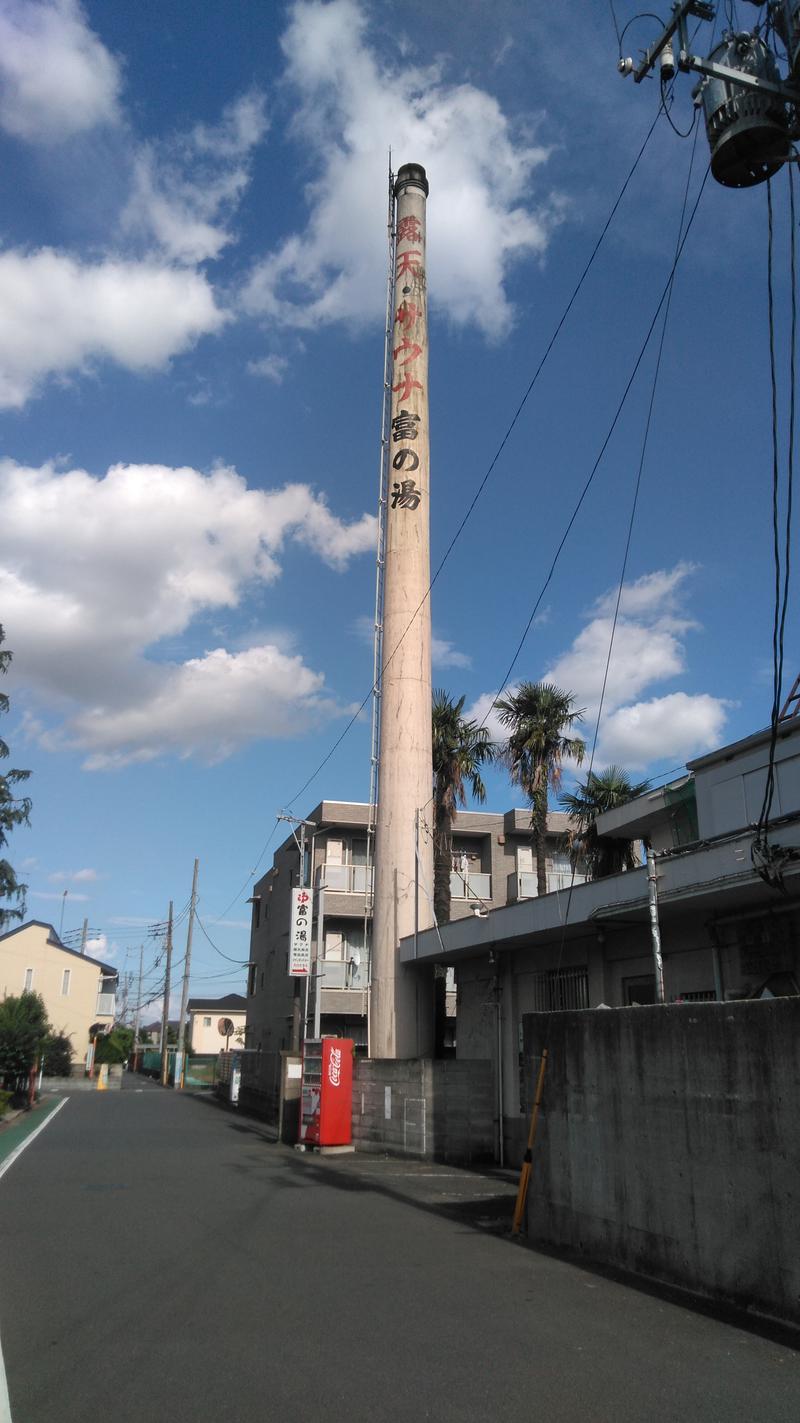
[439, 1110]
[669, 1145]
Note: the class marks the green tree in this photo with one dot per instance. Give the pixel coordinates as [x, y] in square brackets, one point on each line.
[14, 810]
[539, 717]
[115, 1046]
[601, 791]
[23, 1031]
[460, 749]
[57, 1055]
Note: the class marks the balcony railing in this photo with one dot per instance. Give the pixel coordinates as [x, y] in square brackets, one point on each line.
[345, 879]
[106, 1005]
[337, 973]
[524, 884]
[475, 886]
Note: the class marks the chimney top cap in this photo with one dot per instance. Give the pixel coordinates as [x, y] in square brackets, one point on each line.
[411, 175]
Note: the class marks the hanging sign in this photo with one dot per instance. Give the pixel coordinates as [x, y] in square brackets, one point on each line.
[300, 934]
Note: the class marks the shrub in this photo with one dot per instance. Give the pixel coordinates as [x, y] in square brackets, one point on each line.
[23, 1031]
[5, 1098]
[57, 1056]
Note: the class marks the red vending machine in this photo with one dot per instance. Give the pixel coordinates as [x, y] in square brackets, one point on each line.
[326, 1100]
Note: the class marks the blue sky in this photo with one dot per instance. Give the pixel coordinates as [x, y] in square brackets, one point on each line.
[192, 280]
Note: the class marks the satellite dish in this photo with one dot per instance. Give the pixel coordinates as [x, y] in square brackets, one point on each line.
[226, 1027]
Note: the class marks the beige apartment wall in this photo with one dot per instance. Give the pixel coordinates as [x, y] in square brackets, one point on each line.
[204, 1039]
[72, 1013]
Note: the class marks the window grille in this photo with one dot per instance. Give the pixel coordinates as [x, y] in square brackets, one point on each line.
[557, 989]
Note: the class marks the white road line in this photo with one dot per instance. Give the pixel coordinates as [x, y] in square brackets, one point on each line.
[18, 1150]
[5, 1403]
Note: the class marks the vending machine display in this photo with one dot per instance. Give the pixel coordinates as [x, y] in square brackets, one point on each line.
[326, 1101]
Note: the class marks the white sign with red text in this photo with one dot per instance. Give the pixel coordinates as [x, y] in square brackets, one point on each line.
[300, 934]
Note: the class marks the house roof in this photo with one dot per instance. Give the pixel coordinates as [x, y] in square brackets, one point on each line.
[53, 939]
[233, 1002]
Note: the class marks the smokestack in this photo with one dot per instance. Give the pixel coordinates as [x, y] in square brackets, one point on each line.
[401, 1003]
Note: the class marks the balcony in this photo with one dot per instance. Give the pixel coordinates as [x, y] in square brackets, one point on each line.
[106, 1005]
[477, 886]
[337, 973]
[346, 879]
[524, 884]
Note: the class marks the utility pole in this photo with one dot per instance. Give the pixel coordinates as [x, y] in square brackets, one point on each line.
[138, 1006]
[165, 1010]
[185, 990]
[655, 929]
[63, 906]
[84, 935]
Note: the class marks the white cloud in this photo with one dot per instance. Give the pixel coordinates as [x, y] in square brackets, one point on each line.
[56, 77]
[353, 106]
[208, 706]
[186, 188]
[55, 894]
[446, 654]
[85, 876]
[443, 652]
[59, 315]
[100, 947]
[677, 726]
[95, 572]
[271, 367]
[649, 648]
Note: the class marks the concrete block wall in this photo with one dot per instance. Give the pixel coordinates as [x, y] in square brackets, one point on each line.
[669, 1145]
[442, 1111]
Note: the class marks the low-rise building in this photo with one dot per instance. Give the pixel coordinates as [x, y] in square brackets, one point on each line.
[79, 992]
[493, 864]
[725, 931]
[205, 1035]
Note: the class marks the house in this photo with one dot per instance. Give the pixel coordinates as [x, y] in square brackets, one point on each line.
[206, 1014]
[493, 864]
[726, 933]
[79, 992]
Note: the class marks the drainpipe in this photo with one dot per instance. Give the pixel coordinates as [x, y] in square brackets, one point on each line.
[655, 930]
[499, 1015]
[716, 962]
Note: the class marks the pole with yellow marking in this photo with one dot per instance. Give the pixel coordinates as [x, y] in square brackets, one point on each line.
[522, 1191]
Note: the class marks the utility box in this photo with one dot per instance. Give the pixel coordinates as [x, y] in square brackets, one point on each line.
[326, 1102]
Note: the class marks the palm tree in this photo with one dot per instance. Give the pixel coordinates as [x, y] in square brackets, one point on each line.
[460, 748]
[539, 717]
[602, 790]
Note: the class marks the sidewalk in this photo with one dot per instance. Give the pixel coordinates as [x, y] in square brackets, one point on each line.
[18, 1125]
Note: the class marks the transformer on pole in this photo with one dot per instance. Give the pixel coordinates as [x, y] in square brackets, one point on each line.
[752, 114]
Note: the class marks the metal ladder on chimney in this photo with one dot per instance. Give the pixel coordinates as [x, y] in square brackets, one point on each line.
[791, 706]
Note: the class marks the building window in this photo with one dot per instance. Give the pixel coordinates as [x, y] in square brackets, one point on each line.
[346, 956]
[65, 978]
[28, 980]
[206, 1022]
[251, 980]
[256, 912]
[557, 989]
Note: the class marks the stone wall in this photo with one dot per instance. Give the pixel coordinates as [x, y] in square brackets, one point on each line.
[669, 1145]
[443, 1111]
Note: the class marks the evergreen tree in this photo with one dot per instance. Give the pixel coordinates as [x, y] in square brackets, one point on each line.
[14, 810]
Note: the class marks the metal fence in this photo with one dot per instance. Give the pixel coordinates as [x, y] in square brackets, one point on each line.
[562, 988]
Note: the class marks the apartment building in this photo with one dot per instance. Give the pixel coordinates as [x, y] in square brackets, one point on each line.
[493, 865]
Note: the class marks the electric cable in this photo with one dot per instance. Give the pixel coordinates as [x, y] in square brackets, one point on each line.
[604, 446]
[484, 481]
[241, 962]
[481, 486]
[766, 860]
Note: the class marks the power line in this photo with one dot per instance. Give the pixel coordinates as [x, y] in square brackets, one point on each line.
[241, 962]
[596, 465]
[489, 471]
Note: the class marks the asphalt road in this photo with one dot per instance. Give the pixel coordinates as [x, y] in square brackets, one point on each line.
[160, 1258]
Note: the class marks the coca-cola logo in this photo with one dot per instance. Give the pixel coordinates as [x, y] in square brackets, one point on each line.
[335, 1066]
